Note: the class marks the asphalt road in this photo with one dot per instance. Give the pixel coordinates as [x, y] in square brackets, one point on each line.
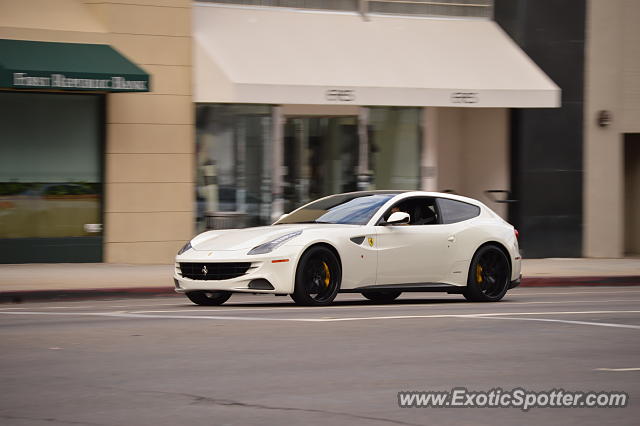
[262, 360]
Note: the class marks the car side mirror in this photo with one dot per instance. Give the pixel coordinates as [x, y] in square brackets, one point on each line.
[398, 218]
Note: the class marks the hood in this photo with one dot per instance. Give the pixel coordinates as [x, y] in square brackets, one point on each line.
[240, 239]
[248, 238]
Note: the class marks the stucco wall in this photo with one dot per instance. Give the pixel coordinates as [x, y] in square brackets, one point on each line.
[473, 152]
[149, 150]
[612, 83]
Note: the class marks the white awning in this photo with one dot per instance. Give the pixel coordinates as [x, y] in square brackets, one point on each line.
[283, 56]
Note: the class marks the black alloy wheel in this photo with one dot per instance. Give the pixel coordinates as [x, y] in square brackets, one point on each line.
[489, 275]
[318, 277]
[208, 298]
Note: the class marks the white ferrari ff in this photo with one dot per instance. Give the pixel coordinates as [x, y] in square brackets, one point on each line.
[377, 243]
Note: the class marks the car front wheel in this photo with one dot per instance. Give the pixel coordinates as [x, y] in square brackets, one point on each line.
[208, 298]
[489, 275]
[318, 277]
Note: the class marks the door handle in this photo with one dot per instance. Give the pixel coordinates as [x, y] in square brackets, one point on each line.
[451, 238]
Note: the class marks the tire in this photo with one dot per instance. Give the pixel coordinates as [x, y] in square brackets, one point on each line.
[489, 275]
[209, 298]
[318, 277]
[382, 296]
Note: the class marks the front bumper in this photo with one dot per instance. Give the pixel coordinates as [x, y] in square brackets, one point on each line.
[277, 268]
[515, 283]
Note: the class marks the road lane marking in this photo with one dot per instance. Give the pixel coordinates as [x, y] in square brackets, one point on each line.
[129, 315]
[80, 306]
[54, 307]
[518, 292]
[522, 291]
[476, 315]
[502, 315]
[600, 324]
[232, 308]
[295, 308]
[618, 369]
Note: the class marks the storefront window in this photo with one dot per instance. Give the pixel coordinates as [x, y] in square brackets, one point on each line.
[233, 144]
[320, 158]
[394, 147]
[50, 174]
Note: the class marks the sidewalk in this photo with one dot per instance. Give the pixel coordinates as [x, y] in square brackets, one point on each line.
[81, 280]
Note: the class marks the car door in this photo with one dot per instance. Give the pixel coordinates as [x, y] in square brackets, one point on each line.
[413, 253]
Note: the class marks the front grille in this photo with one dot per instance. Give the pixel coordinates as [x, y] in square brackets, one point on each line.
[214, 271]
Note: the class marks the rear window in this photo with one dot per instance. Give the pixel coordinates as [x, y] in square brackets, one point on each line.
[453, 211]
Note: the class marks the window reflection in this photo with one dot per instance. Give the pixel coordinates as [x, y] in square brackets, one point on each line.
[233, 144]
[394, 146]
[50, 172]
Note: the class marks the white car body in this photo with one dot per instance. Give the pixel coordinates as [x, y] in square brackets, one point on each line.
[418, 257]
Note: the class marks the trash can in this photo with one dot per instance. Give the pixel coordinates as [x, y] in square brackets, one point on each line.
[225, 220]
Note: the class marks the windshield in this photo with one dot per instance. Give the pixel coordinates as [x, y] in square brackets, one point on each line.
[349, 209]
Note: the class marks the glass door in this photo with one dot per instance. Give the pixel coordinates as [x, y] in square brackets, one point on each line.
[233, 145]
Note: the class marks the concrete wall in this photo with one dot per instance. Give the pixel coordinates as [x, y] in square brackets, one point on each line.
[473, 151]
[149, 178]
[612, 83]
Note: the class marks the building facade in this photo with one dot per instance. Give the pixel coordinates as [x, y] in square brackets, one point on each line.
[250, 108]
[575, 169]
[298, 102]
[93, 168]
[611, 140]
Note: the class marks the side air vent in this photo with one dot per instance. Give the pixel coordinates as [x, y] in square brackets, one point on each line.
[357, 240]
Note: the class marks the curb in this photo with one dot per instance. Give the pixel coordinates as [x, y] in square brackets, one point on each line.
[99, 293]
[597, 281]
[40, 295]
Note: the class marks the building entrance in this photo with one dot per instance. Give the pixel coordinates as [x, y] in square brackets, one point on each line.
[321, 157]
[632, 194]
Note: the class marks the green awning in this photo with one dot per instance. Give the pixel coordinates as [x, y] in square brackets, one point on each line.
[68, 66]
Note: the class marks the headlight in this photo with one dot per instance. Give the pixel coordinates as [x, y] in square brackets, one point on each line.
[274, 244]
[185, 248]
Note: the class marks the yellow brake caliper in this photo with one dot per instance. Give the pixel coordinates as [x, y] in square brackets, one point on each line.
[327, 274]
[479, 273]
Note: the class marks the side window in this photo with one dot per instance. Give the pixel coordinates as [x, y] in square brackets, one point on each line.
[456, 211]
[423, 210]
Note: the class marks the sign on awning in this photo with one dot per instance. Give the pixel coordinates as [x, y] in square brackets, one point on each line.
[68, 66]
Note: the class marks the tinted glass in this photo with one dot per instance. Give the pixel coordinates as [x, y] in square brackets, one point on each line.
[344, 209]
[394, 147]
[321, 157]
[50, 166]
[456, 211]
[422, 210]
[233, 145]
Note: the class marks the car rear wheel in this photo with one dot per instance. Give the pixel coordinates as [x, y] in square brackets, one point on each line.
[381, 296]
[209, 298]
[489, 275]
[318, 277]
